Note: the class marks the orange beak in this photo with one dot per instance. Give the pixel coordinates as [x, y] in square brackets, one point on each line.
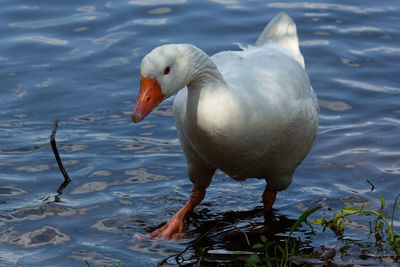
[150, 96]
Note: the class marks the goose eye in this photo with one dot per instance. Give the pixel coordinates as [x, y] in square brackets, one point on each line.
[166, 70]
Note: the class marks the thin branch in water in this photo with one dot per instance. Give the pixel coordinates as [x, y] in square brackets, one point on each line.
[55, 150]
[372, 185]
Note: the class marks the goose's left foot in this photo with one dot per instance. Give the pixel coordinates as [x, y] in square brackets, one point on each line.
[174, 228]
[269, 198]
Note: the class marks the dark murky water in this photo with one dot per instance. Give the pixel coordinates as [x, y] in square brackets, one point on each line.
[79, 62]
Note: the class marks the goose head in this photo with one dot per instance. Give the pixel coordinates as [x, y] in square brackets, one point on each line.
[164, 71]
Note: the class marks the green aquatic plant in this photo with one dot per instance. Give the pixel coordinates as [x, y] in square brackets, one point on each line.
[201, 255]
[270, 253]
[383, 229]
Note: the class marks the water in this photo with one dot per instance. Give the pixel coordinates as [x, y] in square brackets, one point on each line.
[79, 63]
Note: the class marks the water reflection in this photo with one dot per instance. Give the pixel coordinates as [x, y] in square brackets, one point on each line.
[111, 225]
[104, 42]
[160, 10]
[8, 191]
[232, 4]
[326, 129]
[95, 258]
[37, 168]
[156, 2]
[89, 188]
[368, 86]
[100, 173]
[81, 29]
[239, 230]
[46, 83]
[360, 29]
[388, 50]
[349, 62]
[314, 43]
[41, 39]
[36, 213]
[355, 191]
[86, 13]
[159, 21]
[350, 151]
[329, 6]
[334, 105]
[21, 150]
[26, 7]
[316, 190]
[44, 236]
[136, 176]
[141, 175]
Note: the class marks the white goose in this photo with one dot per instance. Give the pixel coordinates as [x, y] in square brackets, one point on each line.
[250, 113]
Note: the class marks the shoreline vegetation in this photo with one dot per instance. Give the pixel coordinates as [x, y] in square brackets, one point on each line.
[291, 251]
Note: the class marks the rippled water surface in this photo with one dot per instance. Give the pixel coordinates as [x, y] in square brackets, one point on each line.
[78, 62]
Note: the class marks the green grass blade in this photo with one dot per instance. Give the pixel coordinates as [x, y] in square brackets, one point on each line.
[302, 218]
[258, 245]
[394, 208]
[349, 210]
[263, 239]
[383, 204]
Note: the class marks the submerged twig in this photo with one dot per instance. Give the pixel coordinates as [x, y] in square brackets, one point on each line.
[372, 185]
[55, 150]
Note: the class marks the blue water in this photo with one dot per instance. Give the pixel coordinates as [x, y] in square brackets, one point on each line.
[79, 63]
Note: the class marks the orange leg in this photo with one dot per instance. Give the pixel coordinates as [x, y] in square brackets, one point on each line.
[174, 228]
[268, 197]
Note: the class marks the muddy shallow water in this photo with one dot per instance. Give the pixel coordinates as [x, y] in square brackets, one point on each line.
[79, 63]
